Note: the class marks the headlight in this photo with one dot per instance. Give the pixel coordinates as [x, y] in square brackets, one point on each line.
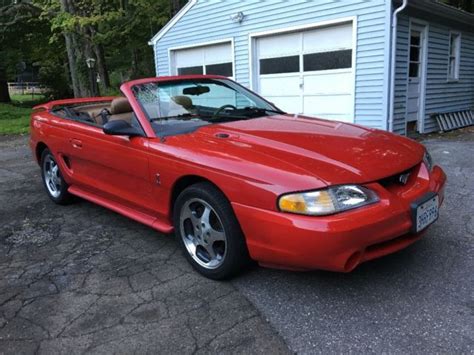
[331, 200]
[428, 161]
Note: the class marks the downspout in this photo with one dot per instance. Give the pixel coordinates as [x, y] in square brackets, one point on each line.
[393, 64]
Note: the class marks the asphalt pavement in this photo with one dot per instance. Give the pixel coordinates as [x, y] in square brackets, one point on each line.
[81, 279]
[419, 300]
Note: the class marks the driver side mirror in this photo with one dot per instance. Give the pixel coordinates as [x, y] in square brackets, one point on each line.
[121, 128]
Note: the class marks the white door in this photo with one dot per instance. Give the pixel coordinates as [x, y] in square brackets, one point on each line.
[210, 59]
[309, 71]
[415, 73]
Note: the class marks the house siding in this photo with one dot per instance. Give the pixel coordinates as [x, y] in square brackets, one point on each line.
[212, 20]
[401, 75]
[440, 94]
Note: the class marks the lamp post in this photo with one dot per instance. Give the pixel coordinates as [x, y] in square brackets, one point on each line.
[93, 82]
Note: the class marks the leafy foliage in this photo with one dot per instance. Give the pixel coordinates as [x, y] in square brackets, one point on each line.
[56, 37]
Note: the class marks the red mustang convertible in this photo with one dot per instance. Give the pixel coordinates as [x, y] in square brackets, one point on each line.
[236, 178]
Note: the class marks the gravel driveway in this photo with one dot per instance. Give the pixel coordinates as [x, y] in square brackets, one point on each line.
[82, 278]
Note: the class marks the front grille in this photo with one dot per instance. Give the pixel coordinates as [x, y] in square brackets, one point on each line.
[397, 179]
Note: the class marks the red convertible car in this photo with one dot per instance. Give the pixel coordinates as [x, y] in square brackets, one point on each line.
[236, 178]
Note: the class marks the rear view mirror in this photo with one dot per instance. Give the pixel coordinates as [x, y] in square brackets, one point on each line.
[121, 128]
[196, 90]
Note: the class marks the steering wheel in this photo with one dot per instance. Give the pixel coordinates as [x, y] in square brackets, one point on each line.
[104, 115]
[220, 109]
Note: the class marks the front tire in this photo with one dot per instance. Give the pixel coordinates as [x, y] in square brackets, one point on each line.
[209, 233]
[54, 183]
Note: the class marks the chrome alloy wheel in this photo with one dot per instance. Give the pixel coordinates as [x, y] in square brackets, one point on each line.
[203, 233]
[52, 176]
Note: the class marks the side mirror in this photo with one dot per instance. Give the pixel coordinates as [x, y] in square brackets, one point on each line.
[121, 128]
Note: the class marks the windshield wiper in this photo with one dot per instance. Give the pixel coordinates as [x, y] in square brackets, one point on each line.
[183, 115]
[263, 110]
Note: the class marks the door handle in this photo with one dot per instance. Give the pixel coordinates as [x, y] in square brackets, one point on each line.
[76, 143]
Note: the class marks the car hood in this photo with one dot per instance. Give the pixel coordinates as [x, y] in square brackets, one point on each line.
[283, 145]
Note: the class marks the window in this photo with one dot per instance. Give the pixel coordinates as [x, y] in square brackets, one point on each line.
[190, 70]
[454, 56]
[415, 54]
[328, 60]
[224, 69]
[280, 65]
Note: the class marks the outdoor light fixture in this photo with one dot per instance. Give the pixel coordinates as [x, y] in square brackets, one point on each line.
[90, 63]
[238, 17]
[92, 77]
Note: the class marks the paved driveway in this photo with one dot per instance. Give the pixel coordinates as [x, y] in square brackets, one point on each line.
[418, 300]
[84, 279]
[81, 278]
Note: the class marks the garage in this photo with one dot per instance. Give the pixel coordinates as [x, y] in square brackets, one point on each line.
[203, 59]
[308, 71]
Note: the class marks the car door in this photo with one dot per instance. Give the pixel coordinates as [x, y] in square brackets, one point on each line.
[110, 167]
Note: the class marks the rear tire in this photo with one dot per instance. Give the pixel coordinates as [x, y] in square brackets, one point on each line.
[54, 183]
[209, 233]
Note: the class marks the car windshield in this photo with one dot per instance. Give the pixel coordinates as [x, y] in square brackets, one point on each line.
[181, 106]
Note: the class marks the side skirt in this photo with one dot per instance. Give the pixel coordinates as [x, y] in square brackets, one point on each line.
[143, 218]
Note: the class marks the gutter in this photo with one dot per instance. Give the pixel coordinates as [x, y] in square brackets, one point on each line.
[393, 64]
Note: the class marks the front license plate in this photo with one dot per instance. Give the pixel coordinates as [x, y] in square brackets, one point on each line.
[425, 213]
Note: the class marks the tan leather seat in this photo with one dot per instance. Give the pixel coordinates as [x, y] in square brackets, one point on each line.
[183, 101]
[180, 105]
[120, 109]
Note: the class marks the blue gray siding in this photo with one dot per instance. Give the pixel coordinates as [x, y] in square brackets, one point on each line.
[441, 95]
[209, 21]
[401, 75]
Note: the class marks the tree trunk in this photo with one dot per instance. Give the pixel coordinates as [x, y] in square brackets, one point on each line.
[68, 37]
[4, 94]
[135, 63]
[72, 65]
[101, 65]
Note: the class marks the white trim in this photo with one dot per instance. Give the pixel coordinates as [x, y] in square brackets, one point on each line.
[354, 63]
[229, 40]
[172, 22]
[424, 69]
[304, 27]
[387, 67]
[457, 62]
[253, 63]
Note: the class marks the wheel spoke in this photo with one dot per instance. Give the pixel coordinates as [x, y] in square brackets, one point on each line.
[189, 214]
[210, 251]
[215, 236]
[205, 216]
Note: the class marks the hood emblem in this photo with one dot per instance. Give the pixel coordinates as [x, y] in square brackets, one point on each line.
[403, 178]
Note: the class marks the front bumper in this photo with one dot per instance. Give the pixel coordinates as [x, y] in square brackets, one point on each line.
[342, 241]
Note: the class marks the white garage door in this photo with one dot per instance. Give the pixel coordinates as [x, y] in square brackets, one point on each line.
[309, 72]
[213, 59]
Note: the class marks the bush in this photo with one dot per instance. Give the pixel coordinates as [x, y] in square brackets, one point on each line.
[53, 77]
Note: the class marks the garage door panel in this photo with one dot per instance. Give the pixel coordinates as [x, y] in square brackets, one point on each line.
[188, 58]
[218, 53]
[327, 104]
[337, 82]
[279, 46]
[328, 39]
[280, 85]
[290, 104]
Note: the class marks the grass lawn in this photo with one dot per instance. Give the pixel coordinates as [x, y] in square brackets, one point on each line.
[15, 116]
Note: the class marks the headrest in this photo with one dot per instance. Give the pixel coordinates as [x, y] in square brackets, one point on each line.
[184, 101]
[120, 105]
